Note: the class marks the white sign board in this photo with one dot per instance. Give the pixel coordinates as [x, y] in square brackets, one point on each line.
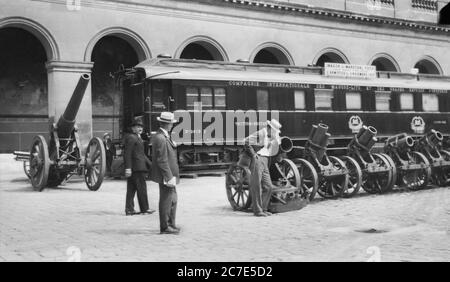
[350, 71]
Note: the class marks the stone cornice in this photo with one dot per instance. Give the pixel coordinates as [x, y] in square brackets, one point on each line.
[66, 66]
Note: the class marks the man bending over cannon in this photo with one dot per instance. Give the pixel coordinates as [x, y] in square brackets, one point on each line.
[266, 142]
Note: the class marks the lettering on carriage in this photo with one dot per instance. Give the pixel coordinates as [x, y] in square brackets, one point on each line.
[287, 85]
[218, 128]
[346, 87]
[396, 89]
[244, 83]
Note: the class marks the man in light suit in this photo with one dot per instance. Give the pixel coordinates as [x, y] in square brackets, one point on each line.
[165, 172]
[137, 166]
[267, 142]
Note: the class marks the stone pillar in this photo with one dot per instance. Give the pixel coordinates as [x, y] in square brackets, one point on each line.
[62, 79]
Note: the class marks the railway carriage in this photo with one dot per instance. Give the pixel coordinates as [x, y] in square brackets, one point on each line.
[199, 91]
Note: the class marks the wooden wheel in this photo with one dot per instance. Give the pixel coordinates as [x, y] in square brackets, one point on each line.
[237, 185]
[381, 182]
[417, 179]
[26, 169]
[39, 163]
[441, 176]
[95, 164]
[333, 187]
[354, 177]
[309, 180]
[393, 169]
[285, 174]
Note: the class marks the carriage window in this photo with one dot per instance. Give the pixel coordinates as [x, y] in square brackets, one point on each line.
[323, 99]
[219, 98]
[430, 102]
[353, 101]
[262, 99]
[206, 97]
[382, 99]
[191, 97]
[299, 96]
[158, 103]
[406, 101]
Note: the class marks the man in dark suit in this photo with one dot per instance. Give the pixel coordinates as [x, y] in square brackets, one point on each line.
[165, 172]
[137, 166]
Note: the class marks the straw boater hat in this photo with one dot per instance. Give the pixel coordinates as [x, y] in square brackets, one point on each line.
[274, 124]
[167, 117]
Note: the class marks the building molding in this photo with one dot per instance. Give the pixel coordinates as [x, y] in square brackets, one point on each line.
[432, 60]
[276, 46]
[331, 50]
[202, 39]
[38, 30]
[387, 57]
[68, 66]
[137, 42]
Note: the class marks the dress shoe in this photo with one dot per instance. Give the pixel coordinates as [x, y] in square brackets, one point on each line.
[268, 213]
[149, 211]
[175, 227]
[260, 214]
[170, 230]
[127, 213]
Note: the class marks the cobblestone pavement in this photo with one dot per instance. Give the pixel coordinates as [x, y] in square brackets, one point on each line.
[72, 223]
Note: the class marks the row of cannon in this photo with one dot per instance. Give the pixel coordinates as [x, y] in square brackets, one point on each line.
[402, 162]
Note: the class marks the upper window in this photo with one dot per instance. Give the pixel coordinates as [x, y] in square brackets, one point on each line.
[430, 102]
[382, 100]
[209, 98]
[406, 102]
[299, 97]
[323, 98]
[262, 99]
[353, 101]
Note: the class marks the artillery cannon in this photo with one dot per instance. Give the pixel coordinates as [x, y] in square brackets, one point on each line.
[291, 186]
[430, 145]
[378, 170]
[53, 164]
[413, 168]
[336, 177]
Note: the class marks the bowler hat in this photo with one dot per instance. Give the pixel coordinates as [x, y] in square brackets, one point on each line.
[138, 120]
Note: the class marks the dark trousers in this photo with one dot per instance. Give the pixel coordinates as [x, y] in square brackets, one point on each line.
[260, 184]
[167, 206]
[136, 183]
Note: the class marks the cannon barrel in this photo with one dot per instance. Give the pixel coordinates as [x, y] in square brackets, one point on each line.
[319, 135]
[401, 141]
[366, 136]
[66, 122]
[286, 144]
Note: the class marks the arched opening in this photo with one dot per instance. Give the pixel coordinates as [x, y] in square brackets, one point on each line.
[271, 55]
[444, 15]
[108, 54]
[330, 57]
[23, 86]
[385, 64]
[201, 50]
[426, 66]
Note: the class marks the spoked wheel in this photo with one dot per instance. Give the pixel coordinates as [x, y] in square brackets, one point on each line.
[393, 169]
[441, 176]
[285, 174]
[309, 180]
[333, 187]
[26, 169]
[382, 182]
[354, 177]
[238, 187]
[95, 164]
[39, 163]
[417, 179]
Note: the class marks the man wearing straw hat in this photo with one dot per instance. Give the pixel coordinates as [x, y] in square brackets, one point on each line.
[268, 140]
[165, 172]
[137, 166]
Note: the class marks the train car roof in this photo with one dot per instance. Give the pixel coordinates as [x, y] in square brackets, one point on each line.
[180, 69]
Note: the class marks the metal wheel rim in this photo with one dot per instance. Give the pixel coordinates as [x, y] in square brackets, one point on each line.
[379, 182]
[39, 163]
[354, 177]
[238, 187]
[309, 179]
[95, 171]
[333, 187]
[417, 179]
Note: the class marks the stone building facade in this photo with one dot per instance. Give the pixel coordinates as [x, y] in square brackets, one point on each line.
[47, 44]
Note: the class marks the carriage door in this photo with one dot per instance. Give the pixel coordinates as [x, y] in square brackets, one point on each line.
[157, 100]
